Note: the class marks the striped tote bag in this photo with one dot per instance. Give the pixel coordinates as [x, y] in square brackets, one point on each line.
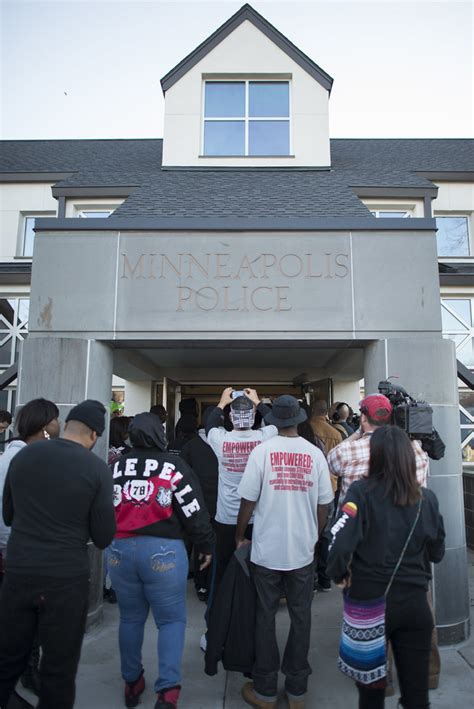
[363, 651]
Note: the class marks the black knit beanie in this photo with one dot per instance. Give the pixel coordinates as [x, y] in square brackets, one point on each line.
[91, 413]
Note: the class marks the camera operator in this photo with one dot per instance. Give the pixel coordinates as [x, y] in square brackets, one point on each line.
[350, 459]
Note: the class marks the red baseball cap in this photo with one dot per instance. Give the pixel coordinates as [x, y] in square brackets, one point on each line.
[378, 407]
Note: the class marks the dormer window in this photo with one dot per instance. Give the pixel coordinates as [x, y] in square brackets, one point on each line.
[227, 106]
[246, 118]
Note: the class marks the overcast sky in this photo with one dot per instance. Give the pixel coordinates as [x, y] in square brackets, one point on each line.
[77, 69]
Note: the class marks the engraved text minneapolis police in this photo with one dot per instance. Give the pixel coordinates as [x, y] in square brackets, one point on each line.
[233, 282]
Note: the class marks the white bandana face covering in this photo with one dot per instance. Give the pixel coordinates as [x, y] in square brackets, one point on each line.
[242, 419]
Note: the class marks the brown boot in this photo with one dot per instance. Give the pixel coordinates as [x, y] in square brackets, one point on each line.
[248, 694]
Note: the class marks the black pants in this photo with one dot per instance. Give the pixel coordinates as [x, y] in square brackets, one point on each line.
[225, 546]
[322, 548]
[408, 626]
[298, 588]
[55, 608]
[202, 579]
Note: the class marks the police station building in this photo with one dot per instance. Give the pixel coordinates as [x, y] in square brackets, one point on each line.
[247, 248]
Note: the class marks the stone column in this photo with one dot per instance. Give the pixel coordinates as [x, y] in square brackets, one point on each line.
[426, 368]
[68, 371]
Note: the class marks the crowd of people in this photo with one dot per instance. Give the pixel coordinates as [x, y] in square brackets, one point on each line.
[258, 502]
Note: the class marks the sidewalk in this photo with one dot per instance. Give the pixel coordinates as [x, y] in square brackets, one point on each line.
[100, 686]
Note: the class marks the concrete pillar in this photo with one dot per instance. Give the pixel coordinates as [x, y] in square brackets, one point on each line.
[68, 371]
[137, 396]
[426, 368]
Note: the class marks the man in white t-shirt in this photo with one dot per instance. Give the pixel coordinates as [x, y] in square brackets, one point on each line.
[232, 449]
[286, 482]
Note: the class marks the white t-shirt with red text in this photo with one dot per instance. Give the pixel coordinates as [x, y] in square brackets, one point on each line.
[288, 478]
[232, 449]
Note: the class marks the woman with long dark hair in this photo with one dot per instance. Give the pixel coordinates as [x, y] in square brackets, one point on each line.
[305, 431]
[388, 531]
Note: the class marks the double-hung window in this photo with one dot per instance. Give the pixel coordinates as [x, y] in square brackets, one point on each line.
[248, 118]
[27, 235]
[452, 236]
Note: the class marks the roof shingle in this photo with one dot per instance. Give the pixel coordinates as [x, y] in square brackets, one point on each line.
[240, 192]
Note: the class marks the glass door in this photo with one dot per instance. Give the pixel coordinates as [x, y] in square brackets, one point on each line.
[319, 389]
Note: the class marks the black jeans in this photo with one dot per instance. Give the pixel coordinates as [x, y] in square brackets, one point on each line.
[322, 548]
[202, 579]
[408, 626]
[225, 546]
[56, 609]
[298, 588]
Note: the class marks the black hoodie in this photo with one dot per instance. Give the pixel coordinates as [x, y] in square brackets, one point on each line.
[370, 533]
[156, 493]
[202, 459]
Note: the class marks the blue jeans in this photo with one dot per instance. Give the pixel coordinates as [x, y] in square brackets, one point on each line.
[150, 572]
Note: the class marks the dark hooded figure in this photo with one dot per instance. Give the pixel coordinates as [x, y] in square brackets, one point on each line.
[187, 428]
[157, 500]
[202, 459]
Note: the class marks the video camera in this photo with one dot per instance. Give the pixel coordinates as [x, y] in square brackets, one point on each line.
[414, 417]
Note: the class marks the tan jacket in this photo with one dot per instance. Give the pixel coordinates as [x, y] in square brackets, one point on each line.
[341, 430]
[329, 436]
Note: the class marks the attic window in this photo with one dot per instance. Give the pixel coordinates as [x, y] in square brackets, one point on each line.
[248, 118]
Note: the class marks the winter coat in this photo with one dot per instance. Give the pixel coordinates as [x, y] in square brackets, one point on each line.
[231, 632]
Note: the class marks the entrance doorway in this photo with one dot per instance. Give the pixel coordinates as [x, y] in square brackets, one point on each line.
[165, 372]
[170, 393]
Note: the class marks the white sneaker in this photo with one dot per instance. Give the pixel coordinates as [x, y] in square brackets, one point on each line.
[203, 642]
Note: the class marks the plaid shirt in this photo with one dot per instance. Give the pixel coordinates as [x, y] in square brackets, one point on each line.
[350, 461]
